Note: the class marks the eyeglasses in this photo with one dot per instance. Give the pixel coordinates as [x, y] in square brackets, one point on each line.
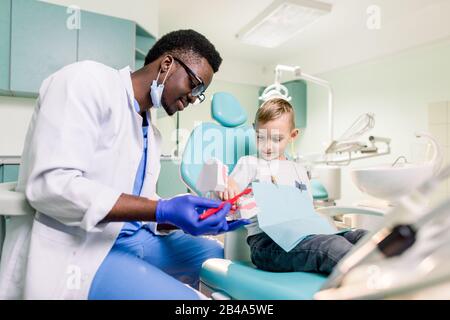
[198, 90]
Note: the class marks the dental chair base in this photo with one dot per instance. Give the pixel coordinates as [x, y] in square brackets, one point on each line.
[235, 277]
[221, 278]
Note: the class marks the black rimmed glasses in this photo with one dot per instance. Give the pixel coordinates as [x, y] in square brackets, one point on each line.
[198, 89]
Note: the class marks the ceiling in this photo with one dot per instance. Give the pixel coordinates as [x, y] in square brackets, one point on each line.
[338, 39]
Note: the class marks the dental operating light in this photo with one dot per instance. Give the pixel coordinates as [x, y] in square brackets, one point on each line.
[281, 21]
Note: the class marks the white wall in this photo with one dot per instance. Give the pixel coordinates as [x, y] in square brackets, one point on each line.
[398, 89]
[439, 127]
[244, 72]
[15, 113]
[344, 37]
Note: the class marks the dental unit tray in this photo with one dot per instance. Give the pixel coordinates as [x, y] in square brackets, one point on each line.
[362, 124]
[349, 144]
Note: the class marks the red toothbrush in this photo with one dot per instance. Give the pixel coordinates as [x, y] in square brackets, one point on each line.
[212, 211]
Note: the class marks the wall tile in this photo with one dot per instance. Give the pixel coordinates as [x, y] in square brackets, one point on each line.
[440, 194]
[438, 113]
[447, 162]
[440, 132]
[448, 112]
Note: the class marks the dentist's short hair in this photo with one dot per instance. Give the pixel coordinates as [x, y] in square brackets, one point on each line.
[274, 108]
[185, 44]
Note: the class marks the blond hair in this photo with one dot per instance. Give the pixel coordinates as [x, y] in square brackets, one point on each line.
[273, 109]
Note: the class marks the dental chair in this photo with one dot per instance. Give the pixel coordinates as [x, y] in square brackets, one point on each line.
[235, 277]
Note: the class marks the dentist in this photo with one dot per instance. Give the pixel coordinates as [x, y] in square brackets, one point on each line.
[89, 168]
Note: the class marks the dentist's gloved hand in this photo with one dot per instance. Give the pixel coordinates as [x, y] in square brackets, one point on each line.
[233, 225]
[184, 211]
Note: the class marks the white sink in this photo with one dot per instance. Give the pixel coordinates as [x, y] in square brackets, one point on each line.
[389, 183]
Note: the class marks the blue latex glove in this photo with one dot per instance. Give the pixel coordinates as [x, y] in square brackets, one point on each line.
[183, 212]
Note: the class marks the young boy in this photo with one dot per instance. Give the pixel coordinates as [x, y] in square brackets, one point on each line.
[275, 130]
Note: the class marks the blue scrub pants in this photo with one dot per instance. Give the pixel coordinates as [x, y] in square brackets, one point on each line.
[145, 266]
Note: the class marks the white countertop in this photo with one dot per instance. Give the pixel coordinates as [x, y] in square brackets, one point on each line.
[9, 160]
[169, 158]
[16, 159]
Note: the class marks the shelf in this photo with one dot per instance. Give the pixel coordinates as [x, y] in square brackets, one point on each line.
[140, 31]
[144, 41]
[143, 44]
[140, 54]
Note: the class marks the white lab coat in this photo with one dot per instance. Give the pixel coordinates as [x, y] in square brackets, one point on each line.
[82, 150]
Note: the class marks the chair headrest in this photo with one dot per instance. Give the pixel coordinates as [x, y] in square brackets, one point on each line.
[227, 110]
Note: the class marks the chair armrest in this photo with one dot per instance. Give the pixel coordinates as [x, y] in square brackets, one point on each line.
[337, 210]
[13, 203]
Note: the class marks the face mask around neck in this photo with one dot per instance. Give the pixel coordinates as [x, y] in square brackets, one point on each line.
[156, 90]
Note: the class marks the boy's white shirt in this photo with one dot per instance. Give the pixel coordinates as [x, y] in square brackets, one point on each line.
[285, 172]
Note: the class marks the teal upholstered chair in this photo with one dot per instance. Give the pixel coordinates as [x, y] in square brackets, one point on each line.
[235, 276]
[228, 140]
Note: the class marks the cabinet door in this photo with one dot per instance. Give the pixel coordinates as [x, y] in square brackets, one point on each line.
[1, 173]
[144, 41]
[107, 40]
[297, 91]
[169, 182]
[5, 44]
[41, 44]
[10, 172]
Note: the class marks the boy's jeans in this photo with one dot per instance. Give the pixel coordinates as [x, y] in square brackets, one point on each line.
[315, 253]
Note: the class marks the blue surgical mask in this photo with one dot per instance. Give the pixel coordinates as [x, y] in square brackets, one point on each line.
[156, 90]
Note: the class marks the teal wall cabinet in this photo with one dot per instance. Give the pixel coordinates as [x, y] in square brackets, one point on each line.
[144, 41]
[5, 45]
[298, 92]
[41, 44]
[169, 182]
[9, 172]
[107, 40]
[38, 38]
